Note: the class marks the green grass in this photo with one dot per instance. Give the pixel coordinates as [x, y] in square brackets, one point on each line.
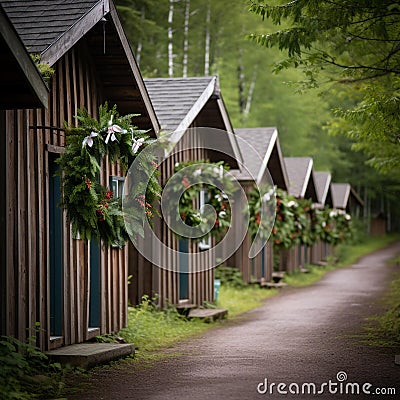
[345, 254]
[150, 329]
[384, 330]
[240, 300]
[349, 254]
[315, 273]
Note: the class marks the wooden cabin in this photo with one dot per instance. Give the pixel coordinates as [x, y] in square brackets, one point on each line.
[378, 224]
[301, 186]
[72, 288]
[321, 250]
[345, 198]
[184, 107]
[22, 88]
[262, 164]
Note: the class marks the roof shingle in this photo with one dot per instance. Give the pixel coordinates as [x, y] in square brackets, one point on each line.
[299, 173]
[254, 144]
[174, 98]
[322, 181]
[340, 194]
[40, 23]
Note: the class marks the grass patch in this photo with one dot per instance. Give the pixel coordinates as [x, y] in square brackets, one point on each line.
[240, 300]
[349, 254]
[345, 255]
[151, 329]
[384, 330]
[315, 273]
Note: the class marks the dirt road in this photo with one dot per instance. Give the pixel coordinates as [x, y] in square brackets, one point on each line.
[301, 336]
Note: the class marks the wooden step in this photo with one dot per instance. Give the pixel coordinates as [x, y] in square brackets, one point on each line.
[271, 285]
[208, 314]
[87, 355]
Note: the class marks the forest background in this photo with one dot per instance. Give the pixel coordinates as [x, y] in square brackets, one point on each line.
[175, 38]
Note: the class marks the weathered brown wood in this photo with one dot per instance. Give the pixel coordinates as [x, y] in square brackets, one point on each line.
[22, 242]
[51, 148]
[75, 84]
[66, 41]
[32, 226]
[3, 223]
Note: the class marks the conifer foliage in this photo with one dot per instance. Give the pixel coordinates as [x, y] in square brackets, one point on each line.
[94, 211]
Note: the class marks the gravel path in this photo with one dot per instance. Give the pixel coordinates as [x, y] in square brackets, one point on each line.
[302, 335]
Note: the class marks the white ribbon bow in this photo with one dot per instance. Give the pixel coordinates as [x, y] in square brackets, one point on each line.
[136, 144]
[112, 129]
[89, 139]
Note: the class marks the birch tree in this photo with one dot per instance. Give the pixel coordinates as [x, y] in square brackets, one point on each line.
[170, 39]
[140, 41]
[250, 92]
[207, 41]
[186, 40]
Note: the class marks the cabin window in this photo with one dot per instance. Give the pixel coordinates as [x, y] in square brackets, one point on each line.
[117, 185]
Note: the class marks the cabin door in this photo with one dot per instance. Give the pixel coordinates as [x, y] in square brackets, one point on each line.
[183, 269]
[94, 297]
[263, 262]
[56, 249]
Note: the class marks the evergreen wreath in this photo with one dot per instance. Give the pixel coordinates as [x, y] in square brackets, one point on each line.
[218, 199]
[257, 199]
[95, 212]
[298, 222]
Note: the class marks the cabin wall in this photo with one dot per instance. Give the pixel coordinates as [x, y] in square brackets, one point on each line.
[200, 285]
[151, 280]
[259, 268]
[289, 259]
[3, 221]
[34, 139]
[316, 252]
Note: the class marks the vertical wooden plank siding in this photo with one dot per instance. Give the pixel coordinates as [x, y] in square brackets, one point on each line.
[251, 269]
[3, 222]
[27, 136]
[12, 235]
[152, 280]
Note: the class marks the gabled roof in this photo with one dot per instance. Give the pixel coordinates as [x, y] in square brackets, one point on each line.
[181, 103]
[340, 194]
[344, 196]
[42, 23]
[21, 83]
[323, 187]
[260, 149]
[301, 180]
[52, 28]
[178, 101]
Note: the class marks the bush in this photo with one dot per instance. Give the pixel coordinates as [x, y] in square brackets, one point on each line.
[229, 276]
[26, 372]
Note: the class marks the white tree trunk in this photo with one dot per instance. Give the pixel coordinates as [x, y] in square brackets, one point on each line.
[241, 79]
[140, 43]
[186, 39]
[170, 36]
[250, 94]
[207, 47]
